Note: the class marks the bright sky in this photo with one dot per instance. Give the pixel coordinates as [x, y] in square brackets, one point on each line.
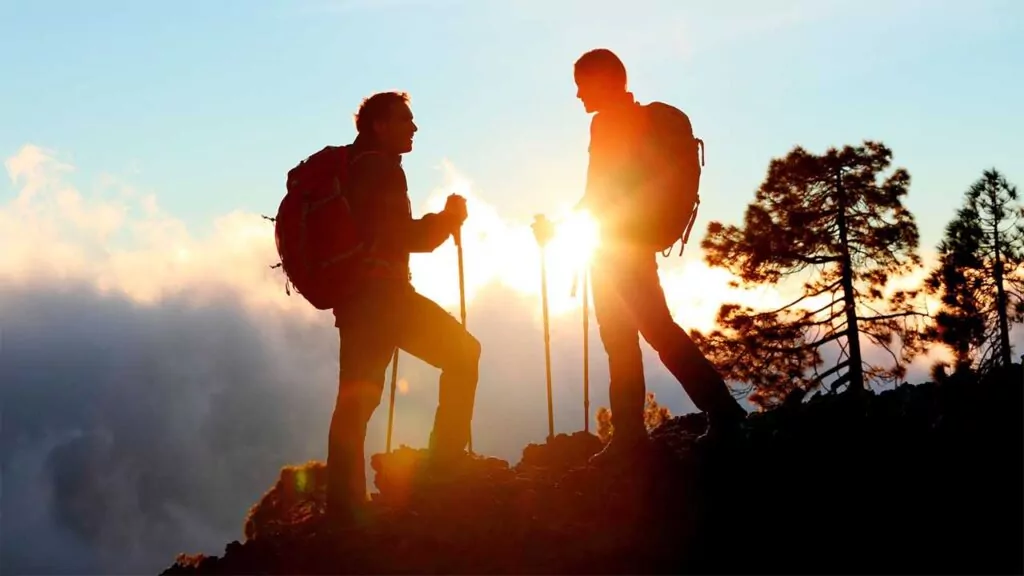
[201, 108]
[208, 104]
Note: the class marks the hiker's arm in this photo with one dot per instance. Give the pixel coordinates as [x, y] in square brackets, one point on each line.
[426, 234]
[412, 235]
[379, 185]
[598, 165]
[587, 201]
[613, 178]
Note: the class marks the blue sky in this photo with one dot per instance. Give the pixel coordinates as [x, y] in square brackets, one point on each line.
[208, 103]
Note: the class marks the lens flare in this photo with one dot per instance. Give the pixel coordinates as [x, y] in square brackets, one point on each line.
[575, 241]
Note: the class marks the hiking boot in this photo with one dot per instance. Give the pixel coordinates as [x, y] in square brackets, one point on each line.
[347, 507]
[446, 464]
[347, 516]
[622, 449]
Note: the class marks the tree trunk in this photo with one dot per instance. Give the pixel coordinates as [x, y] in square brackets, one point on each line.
[1001, 303]
[856, 369]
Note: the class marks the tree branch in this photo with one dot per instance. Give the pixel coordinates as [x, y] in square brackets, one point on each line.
[839, 366]
[890, 316]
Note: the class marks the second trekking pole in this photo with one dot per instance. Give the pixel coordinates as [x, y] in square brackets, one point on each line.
[586, 352]
[584, 277]
[543, 231]
[462, 300]
[391, 408]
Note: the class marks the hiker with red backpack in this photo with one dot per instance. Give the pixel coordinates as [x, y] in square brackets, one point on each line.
[345, 232]
[642, 188]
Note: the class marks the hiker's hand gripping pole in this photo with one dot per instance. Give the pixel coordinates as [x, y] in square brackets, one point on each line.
[457, 236]
[543, 230]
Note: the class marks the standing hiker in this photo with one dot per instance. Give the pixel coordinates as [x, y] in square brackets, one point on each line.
[624, 179]
[383, 311]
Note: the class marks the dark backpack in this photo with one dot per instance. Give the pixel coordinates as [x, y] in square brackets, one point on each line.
[315, 231]
[673, 164]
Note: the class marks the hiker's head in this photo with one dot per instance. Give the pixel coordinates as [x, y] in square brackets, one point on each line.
[386, 119]
[600, 79]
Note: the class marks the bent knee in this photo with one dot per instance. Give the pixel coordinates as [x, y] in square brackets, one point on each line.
[356, 401]
[463, 356]
[471, 349]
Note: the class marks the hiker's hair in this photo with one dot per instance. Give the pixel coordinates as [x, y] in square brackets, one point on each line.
[604, 62]
[377, 108]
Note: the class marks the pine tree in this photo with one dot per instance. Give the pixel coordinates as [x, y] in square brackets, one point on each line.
[978, 277]
[839, 222]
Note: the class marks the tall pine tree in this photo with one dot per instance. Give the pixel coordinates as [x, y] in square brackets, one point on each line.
[837, 224]
[978, 277]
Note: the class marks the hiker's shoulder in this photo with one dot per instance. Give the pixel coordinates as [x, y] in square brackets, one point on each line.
[603, 127]
[374, 161]
[617, 118]
[377, 168]
[599, 121]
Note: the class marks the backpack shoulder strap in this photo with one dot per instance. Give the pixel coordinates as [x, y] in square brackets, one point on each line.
[354, 159]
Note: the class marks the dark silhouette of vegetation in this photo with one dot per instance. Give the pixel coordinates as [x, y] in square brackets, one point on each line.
[839, 221]
[654, 415]
[978, 277]
[923, 479]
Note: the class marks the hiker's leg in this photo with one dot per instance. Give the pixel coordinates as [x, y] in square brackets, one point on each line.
[677, 350]
[621, 341]
[430, 333]
[364, 354]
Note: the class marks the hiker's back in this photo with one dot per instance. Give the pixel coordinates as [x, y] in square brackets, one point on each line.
[615, 136]
[378, 192]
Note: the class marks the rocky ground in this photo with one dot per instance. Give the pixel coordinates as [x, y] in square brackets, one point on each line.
[922, 479]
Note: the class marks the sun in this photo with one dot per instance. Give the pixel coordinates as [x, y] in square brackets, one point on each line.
[575, 241]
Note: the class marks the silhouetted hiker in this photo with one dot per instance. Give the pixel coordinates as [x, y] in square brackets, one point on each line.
[627, 294]
[383, 311]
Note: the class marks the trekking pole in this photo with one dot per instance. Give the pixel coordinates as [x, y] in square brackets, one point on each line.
[586, 351]
[391, 408]
[462, 302]
[583, 275]
[542, 231]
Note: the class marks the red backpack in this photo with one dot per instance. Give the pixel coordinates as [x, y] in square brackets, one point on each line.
[315, 230]
[674, 162]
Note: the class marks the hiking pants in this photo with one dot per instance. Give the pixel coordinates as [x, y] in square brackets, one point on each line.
[370, 327]
[629, 302]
